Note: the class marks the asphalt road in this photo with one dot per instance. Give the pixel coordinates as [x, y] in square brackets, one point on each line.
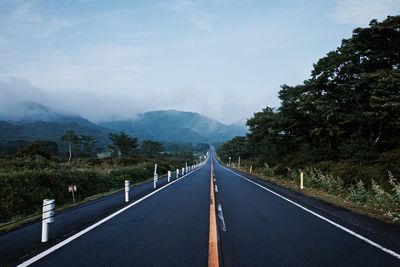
[169, 228]
[256, 227]
[262, 229]
[22, 243]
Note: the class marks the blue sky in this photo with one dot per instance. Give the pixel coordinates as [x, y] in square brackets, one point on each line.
[223, 58]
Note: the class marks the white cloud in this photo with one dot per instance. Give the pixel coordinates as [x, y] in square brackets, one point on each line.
[361, 12]
[186, 4]
[104, 105]
[196, 12]
[15, 90]
[181, 4]
[3, 41]
[24, 12]
[28, 21]
[202, 21]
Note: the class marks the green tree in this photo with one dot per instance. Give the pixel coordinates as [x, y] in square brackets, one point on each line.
[87, 143]
[45, 149]
[238, 146]
[122, 143]
[348, 110]
[71, 139]
[151, 148]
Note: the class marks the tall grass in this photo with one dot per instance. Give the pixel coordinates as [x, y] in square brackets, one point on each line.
[385, 197]
[381, 196]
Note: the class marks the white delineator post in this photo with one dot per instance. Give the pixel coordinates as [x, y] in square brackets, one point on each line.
[155, 176]
[183, 171]
[169, 176]
[49, 206]
[177, 173]
[301, 180]
[126, 191]
[239, 162]
[251, 169]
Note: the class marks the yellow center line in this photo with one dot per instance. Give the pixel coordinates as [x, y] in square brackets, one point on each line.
[213, 259]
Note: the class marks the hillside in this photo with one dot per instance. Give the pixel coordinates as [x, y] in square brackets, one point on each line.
[176, 126]
[30, 121]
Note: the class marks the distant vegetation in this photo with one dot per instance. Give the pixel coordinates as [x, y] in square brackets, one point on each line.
[30, 122]
[176, 126]
[341, 126]
[37, 170]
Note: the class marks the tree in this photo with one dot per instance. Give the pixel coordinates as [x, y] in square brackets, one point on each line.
[71, 138]
[151, 148]
[234, 148]
[87, 142]
[45, 149]
[348, 110]
[123, 144]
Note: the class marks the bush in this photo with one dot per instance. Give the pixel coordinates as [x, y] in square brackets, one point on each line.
[327, 182]
[26, 181]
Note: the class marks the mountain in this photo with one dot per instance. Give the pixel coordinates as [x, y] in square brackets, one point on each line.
[30, 112]
[176, 126]
[31, 121]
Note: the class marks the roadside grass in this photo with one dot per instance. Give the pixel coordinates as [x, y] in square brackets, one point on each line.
[27, 181]
[20, 221]
[375, 201]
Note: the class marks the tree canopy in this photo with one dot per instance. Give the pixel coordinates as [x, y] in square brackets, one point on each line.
[151, 148]
[122, 143]
[349, 109]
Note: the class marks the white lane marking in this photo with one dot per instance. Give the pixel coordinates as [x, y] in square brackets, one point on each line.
[216, 188]
[391, 252]
[221, 217]
[84, 231]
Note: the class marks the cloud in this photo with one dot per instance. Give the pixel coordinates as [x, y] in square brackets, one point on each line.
[187, 4]
[14, 91]
[27, 20]
[361, 12]
[196, 12]
[182, 4]
[3, 41]
[202, 21]
[106, 105]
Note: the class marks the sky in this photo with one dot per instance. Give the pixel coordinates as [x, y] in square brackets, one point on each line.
[223, 58]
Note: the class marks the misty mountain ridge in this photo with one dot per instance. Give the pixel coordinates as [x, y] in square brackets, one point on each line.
[176, 126]
[32, 121]
[30, 111]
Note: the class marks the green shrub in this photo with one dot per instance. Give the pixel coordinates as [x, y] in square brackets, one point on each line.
[358, 193]
[327, 182]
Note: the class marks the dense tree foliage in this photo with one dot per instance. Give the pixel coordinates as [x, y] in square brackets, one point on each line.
[122, 143]
[87, 144]
[348, 111]
[151, 148]
[46, 149]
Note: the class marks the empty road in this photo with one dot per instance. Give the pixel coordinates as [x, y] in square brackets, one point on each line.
[256, 227]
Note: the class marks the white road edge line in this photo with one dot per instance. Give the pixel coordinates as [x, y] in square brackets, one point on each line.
[84, 231]
[221, 217]
[391, 252]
